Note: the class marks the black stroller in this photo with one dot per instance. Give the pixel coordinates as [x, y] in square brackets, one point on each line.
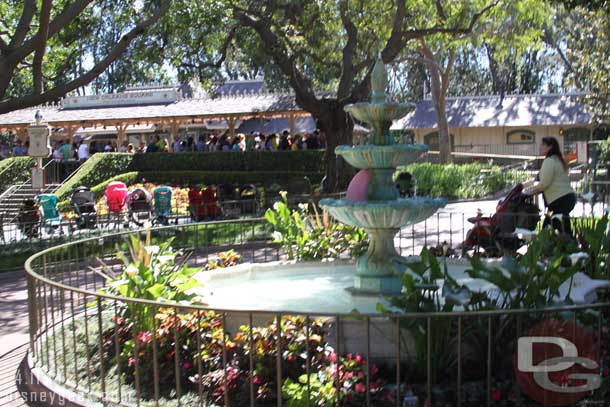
[84, 205]
[139, 204]
[496, 233]
[28, 218]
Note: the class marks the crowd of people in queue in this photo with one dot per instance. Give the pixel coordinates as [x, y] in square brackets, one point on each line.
[240, 142]
[79, 150]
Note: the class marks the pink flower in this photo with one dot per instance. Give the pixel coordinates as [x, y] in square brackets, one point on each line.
[360, 388]
[144, 337]
[496, 394]
[332, 357]
[131, 361]
[358, 358]
[360, 374]
[186, 366]
[256, 380]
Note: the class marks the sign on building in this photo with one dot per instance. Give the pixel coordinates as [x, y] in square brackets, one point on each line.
[144, 97]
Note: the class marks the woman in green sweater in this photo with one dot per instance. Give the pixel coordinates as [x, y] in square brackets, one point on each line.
[554, 184]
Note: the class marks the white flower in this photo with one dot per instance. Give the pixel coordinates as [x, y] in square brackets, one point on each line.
[524, 234]
[147, 225]
[165, 259]
[131, 270]
[575, 258]
[152, 249]
[283, 194]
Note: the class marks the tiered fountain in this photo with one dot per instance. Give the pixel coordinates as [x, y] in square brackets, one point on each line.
[382, 213]
[320, 286]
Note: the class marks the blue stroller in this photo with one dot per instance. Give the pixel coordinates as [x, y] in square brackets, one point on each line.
[162, 204]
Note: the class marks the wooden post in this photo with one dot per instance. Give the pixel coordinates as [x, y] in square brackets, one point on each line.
[231, 127]
[291, 120]
[174, 129]
[121, 132]
[71, 131]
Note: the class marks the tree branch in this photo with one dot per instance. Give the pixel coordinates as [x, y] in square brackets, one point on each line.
[43, 32]
[23, 27]
[440, 10]
[59, 91]
[395, 43]
[68, 15]
[347, 71]
[302, 86]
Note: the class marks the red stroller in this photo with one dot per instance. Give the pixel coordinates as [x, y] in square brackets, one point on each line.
[495, 234]
[116, 197]
[202, 204]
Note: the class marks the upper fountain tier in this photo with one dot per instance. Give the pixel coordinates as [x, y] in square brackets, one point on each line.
[379, 112]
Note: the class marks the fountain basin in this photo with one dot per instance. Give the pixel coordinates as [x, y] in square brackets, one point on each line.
[314, 287]
[379, 112]
[383, 214]
[373, 156]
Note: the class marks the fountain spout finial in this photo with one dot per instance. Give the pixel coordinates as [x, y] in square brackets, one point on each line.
[379, 81]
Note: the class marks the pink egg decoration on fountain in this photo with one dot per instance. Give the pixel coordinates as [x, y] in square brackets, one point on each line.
[358, 188]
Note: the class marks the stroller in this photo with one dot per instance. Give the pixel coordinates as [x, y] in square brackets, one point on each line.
[51, 219]
[229, 200]
[28, 218]
[249, 199]
[139, 204]
[84, 205]
[495, 234]
[116, 197]
[202, 204]
[163, 204]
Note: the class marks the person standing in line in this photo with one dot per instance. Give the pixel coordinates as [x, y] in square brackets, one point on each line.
[83, 151]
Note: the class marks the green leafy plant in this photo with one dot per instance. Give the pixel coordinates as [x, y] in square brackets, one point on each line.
[594, 240]
[225, 259]
[306, 236]
[151, 272]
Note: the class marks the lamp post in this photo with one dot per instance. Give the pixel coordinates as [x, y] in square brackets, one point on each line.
[39, 148]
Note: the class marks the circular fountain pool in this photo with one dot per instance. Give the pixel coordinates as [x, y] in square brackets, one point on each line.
[303, 287]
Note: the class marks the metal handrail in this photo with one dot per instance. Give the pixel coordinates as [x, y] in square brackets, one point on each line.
[41, 255]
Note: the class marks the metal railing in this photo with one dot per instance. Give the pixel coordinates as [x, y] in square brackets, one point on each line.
[193, 354]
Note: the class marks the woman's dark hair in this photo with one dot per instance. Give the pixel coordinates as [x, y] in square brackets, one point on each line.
[555, 150]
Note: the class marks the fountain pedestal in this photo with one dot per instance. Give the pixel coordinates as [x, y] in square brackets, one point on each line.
[379, 269]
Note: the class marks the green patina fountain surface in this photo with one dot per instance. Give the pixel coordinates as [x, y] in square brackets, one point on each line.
[384, 213]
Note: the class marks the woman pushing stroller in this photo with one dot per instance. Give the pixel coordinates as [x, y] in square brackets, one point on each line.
[554, 184]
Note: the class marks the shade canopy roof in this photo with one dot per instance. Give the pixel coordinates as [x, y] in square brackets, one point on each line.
[495, 111]
[235, 106]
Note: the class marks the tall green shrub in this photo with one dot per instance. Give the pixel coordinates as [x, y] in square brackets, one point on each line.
[14, 171]
[463, 181]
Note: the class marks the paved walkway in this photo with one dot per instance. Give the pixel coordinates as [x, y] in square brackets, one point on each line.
[13, 335]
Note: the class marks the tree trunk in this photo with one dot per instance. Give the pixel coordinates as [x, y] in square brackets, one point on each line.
[444, 138]
[337, 125]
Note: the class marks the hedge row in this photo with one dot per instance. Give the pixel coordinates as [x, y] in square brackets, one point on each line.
[101, 167]
[302, 160]
[15, 170]
[96, 169]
